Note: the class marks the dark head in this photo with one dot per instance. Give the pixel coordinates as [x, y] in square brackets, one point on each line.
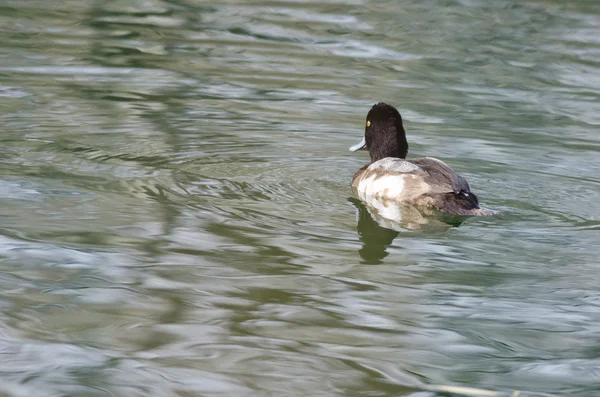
[384, 133]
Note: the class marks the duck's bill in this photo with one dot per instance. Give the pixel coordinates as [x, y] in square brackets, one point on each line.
[361, 145]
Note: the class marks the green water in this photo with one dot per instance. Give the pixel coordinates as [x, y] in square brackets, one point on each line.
[176, 215]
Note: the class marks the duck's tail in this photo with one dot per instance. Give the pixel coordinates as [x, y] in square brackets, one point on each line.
[462, 203]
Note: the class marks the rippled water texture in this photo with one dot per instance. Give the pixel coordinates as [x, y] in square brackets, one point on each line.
[177, 220]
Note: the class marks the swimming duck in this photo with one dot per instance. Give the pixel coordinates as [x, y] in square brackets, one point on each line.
[423, 182]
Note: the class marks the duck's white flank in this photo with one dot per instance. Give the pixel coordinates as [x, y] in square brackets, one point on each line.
[387, 179]
[382, 186]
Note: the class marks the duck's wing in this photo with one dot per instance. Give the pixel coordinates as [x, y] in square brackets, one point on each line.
[441, 176]
[434, 173]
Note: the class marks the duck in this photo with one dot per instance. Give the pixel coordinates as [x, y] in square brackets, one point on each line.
[390, 178]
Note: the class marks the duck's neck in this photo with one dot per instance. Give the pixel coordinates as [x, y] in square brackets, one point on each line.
[388, 145]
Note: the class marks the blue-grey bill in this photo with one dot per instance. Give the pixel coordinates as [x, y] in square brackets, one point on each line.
[359, 146]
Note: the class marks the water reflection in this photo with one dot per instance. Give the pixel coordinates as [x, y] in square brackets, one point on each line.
[380, 224]
[375, 239]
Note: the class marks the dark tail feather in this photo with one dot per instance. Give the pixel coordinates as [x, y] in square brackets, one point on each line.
[469, 198]
[463, 203]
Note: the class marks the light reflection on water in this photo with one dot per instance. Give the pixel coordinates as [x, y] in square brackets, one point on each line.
[177, 218]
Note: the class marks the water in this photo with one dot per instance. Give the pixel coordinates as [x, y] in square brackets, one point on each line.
[177, 218]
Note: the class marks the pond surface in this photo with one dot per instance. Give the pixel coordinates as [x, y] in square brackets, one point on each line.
[177, 218]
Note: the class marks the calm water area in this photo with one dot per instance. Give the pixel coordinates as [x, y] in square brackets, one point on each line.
[176, 216]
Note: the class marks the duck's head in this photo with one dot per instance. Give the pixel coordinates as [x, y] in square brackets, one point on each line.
[384, 133]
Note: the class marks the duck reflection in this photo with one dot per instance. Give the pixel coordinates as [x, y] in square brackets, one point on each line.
[380, 224]
[375, 239]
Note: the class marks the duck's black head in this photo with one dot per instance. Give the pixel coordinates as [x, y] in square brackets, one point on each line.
[384, 133]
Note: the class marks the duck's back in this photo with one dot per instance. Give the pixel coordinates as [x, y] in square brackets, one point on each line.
[422, 181]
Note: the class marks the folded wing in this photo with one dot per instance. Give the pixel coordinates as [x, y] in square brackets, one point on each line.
[440, 174]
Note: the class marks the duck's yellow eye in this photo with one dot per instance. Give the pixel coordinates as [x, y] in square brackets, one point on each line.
[368, 123]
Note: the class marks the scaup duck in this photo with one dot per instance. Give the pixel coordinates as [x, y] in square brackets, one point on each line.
[423, 182]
